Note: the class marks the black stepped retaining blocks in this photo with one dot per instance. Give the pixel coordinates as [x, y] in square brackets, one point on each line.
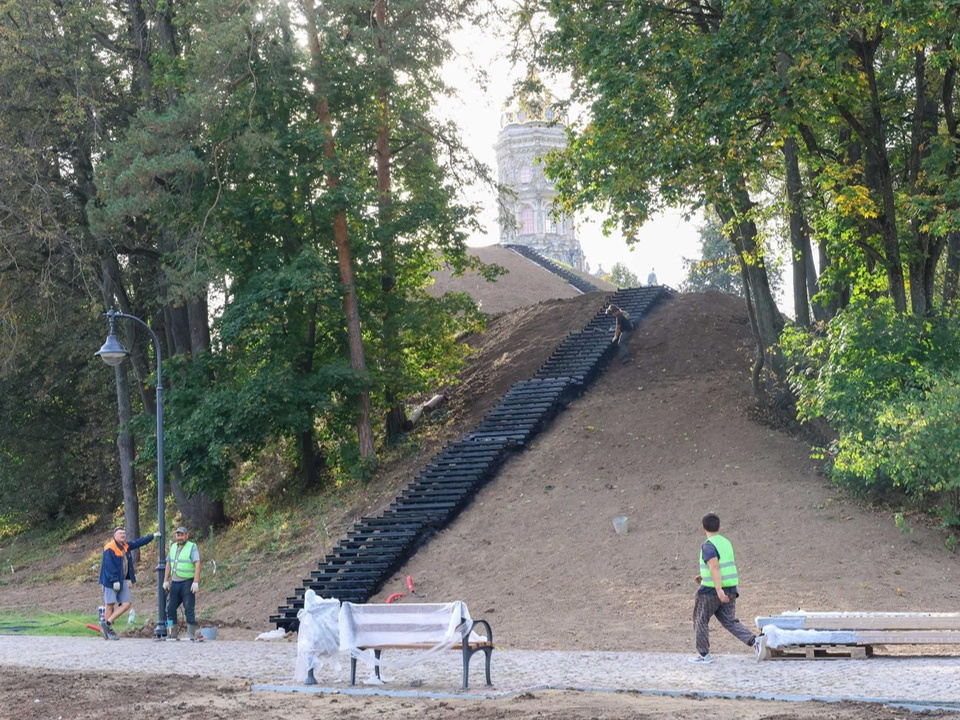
[375, 547]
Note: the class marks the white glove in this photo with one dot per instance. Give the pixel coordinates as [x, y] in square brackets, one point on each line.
[166, 585]
[116, 586]
[156, 535]
[195, 588]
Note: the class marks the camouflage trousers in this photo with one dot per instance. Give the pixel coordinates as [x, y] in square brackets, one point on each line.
[708, 605]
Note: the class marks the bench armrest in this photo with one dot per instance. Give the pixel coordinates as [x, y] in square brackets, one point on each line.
[488, 632]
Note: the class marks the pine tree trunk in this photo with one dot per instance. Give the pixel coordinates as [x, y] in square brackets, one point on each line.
[127, 452]
[395, 422]
[126, 447]
[342, 240]
[952, 276]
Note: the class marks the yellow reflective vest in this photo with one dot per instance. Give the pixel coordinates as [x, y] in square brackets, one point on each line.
[728, 567]
[181, 566]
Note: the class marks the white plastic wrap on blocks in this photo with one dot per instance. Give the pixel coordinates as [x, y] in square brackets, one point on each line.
[434, 626]
[318, 640]
[778, 637]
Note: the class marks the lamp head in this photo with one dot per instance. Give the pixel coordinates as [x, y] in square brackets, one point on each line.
[113, 352]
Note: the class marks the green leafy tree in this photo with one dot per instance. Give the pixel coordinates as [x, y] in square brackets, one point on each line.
[278, 219]
[717, 269]
[887, 383]
[199, 166]
[622, 276]
[670, 123]
[53, 458]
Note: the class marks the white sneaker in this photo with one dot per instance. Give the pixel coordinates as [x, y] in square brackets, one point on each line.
[760, 647]
[702, 659]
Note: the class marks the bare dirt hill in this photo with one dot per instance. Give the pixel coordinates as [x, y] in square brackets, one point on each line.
[662, 440]
[525, 282]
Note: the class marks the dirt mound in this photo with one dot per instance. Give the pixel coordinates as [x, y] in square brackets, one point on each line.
[661, 440]
[525, 283]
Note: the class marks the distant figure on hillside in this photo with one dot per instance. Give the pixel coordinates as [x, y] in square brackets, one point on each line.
[622, 333]
[652, 277]
[717, 596]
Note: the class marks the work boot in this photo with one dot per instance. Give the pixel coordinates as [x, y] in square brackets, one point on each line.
[105, 629]
[111, 635]
[173, 632]
[191, 631]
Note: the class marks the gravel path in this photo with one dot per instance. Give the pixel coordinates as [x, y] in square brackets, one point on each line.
[916, 681]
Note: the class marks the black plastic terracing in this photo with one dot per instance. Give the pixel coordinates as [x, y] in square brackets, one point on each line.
[376, 547]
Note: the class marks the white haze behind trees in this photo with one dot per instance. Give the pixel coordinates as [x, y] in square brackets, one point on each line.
[664, 241]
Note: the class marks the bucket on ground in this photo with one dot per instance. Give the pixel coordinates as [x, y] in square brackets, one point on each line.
[620, 524]
[208, 633]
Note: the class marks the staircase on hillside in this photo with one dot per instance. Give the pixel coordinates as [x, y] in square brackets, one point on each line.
[376, 547]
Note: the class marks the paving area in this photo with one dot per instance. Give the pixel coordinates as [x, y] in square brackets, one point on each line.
[917, 682]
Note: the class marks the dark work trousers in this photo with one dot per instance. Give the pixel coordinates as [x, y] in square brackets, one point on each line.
[708, 605]
[180, 595]
[622, 343]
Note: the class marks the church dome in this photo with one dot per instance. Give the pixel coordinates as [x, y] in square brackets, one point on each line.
[534, 104]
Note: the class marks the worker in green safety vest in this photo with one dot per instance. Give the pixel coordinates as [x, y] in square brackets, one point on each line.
[181, 580]
[717, 595]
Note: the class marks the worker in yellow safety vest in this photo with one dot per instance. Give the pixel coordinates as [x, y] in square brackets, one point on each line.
[181, 580]
[717, 594]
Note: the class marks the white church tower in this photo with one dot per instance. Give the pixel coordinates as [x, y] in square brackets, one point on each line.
[527, 134]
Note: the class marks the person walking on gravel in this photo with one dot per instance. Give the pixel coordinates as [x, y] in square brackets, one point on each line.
[117, 576]
[181, 580]
[717, 595]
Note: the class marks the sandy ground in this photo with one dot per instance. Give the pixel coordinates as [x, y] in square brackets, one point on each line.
[59, 678]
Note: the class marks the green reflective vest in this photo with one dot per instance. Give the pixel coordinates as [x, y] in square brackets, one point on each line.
[728, 567]
[181, 566]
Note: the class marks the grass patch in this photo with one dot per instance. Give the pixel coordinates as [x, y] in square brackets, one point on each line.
[40, 622]
[37, 621]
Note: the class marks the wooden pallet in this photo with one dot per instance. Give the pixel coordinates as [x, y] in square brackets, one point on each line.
[820, 652]
[860, 633]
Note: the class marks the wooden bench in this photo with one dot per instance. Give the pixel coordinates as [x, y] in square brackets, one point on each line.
[413, 626]
[827, 635]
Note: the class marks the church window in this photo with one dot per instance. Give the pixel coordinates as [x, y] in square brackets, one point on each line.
[527, 220]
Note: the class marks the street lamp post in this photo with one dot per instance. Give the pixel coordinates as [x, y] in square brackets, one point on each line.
[113, 353]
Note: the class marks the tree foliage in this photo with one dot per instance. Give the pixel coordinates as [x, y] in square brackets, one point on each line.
[836, 119]
[622, 276]
[181, 172]
[888, 384]
[717, 269]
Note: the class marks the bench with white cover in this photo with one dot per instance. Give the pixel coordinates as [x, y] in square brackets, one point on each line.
[428, 627]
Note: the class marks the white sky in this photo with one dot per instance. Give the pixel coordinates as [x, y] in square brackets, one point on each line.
[663, 241]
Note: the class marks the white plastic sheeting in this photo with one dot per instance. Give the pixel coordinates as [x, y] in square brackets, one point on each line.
[435, 627]
[318, 640]
[778, 637]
